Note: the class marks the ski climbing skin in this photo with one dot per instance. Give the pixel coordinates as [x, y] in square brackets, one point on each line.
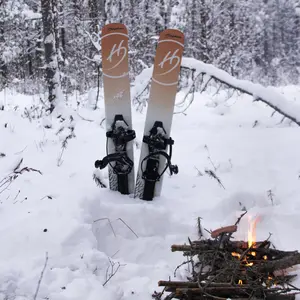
[154, 159]
[119, 159]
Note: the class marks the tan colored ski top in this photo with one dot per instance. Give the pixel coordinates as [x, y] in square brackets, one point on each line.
[165, 78]
[114, 44]
[168, 58]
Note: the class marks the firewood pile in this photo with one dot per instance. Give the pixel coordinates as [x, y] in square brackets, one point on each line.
[220, 268]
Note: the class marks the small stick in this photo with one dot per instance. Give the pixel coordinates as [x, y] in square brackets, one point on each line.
[41, 277]
[127, 226]
[101, 219]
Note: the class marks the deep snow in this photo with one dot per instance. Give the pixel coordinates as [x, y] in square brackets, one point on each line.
[251, 151]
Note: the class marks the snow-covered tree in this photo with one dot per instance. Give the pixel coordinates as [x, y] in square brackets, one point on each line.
[256, 40]
[51, 44]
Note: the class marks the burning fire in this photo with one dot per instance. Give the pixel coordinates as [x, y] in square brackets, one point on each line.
[250, 253]
[252, 232]
[251, 244]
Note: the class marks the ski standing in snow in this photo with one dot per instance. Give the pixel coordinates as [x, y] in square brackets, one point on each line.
[119, 147]
[154, 159]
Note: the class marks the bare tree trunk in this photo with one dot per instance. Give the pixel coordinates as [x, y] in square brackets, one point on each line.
[3, 66]
[62, 34]
[103, 12]
[232, 48]
[194, 28]
[52, 71]
[94, 14]
[204, 56]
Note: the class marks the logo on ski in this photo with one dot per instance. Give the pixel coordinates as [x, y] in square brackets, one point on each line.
[169, 58]
[114, 60]
[166, 67]
[117, 51]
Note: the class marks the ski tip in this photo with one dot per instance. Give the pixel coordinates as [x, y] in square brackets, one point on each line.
[114, 28]
[172, 34]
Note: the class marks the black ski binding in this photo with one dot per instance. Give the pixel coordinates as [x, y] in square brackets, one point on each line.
[157, 144]
[119, 161]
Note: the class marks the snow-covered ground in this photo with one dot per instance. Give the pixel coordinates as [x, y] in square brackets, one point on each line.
[88, 233]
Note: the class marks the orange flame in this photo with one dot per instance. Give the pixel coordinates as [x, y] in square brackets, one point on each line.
[234, 254]
[252, 231]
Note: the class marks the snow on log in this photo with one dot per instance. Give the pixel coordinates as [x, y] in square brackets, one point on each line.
[260, 93]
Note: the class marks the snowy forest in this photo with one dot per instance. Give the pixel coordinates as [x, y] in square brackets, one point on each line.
[255, 40]
[88, 207]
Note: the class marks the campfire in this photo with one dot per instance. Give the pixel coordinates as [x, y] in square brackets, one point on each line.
[221, 268]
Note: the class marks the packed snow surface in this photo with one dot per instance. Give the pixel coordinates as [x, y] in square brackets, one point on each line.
[54, 217]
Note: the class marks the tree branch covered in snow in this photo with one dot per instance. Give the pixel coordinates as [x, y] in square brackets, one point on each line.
[208, 73]
[260, 93]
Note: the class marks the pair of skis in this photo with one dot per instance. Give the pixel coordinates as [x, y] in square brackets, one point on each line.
[154, 159]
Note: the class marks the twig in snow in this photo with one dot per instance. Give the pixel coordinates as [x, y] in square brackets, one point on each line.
[112, 269]
[182, 264]
[240, 218]
[127, 226]
[236, 223]
[213, 165]
[137, 98]
[198, 171]
[200, 233]
[98, 86]
[191, 91]
[98, 181]
[48, 197]
[273, 113]
[24, 200]
[115, 253]
[65, 144]
[41, 277]
[208, 231]
[102, 122]
[218, 90]
[206, 84]
[21, 151]
[16, 197]
[281, 121]
[271, 196]
[109, 222]
[212, 174]
[7, 181]
[84, 119]
[18, 165]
